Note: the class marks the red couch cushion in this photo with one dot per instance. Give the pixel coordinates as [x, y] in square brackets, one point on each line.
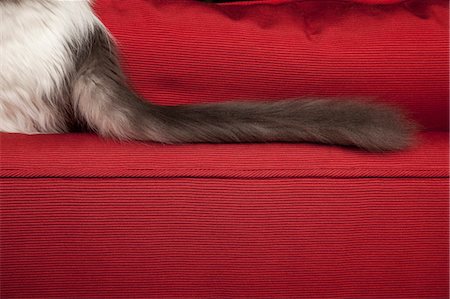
[90, 218]
[178, 52]
[224, 238]
[85, 155]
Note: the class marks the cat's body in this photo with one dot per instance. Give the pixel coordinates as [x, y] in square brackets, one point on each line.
[36, 59]
[59, 71]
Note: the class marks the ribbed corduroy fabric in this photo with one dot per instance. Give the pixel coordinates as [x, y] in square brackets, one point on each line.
[178, 52]
[83, 217]
[224, 238]
[86, 155]
[88, 218]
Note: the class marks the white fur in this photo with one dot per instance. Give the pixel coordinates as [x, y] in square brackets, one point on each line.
[34, 60]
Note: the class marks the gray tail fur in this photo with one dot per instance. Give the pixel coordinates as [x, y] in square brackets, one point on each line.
[365, 125]
[109, 107]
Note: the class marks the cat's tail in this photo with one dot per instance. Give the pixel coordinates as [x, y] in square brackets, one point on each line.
[121, 114]
[340, 122]
[109, 107]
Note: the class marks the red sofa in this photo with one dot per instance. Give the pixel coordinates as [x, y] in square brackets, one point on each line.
[83, 217]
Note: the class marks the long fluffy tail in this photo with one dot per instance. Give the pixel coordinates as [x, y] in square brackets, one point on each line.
[350, 123]
[109, 107]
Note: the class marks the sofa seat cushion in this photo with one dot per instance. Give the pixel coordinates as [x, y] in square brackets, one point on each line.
[84, 217]
[86, 155]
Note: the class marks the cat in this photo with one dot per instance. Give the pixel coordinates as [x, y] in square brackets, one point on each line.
[60, 72]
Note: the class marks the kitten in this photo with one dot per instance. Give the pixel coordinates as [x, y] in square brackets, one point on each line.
[60, 71]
